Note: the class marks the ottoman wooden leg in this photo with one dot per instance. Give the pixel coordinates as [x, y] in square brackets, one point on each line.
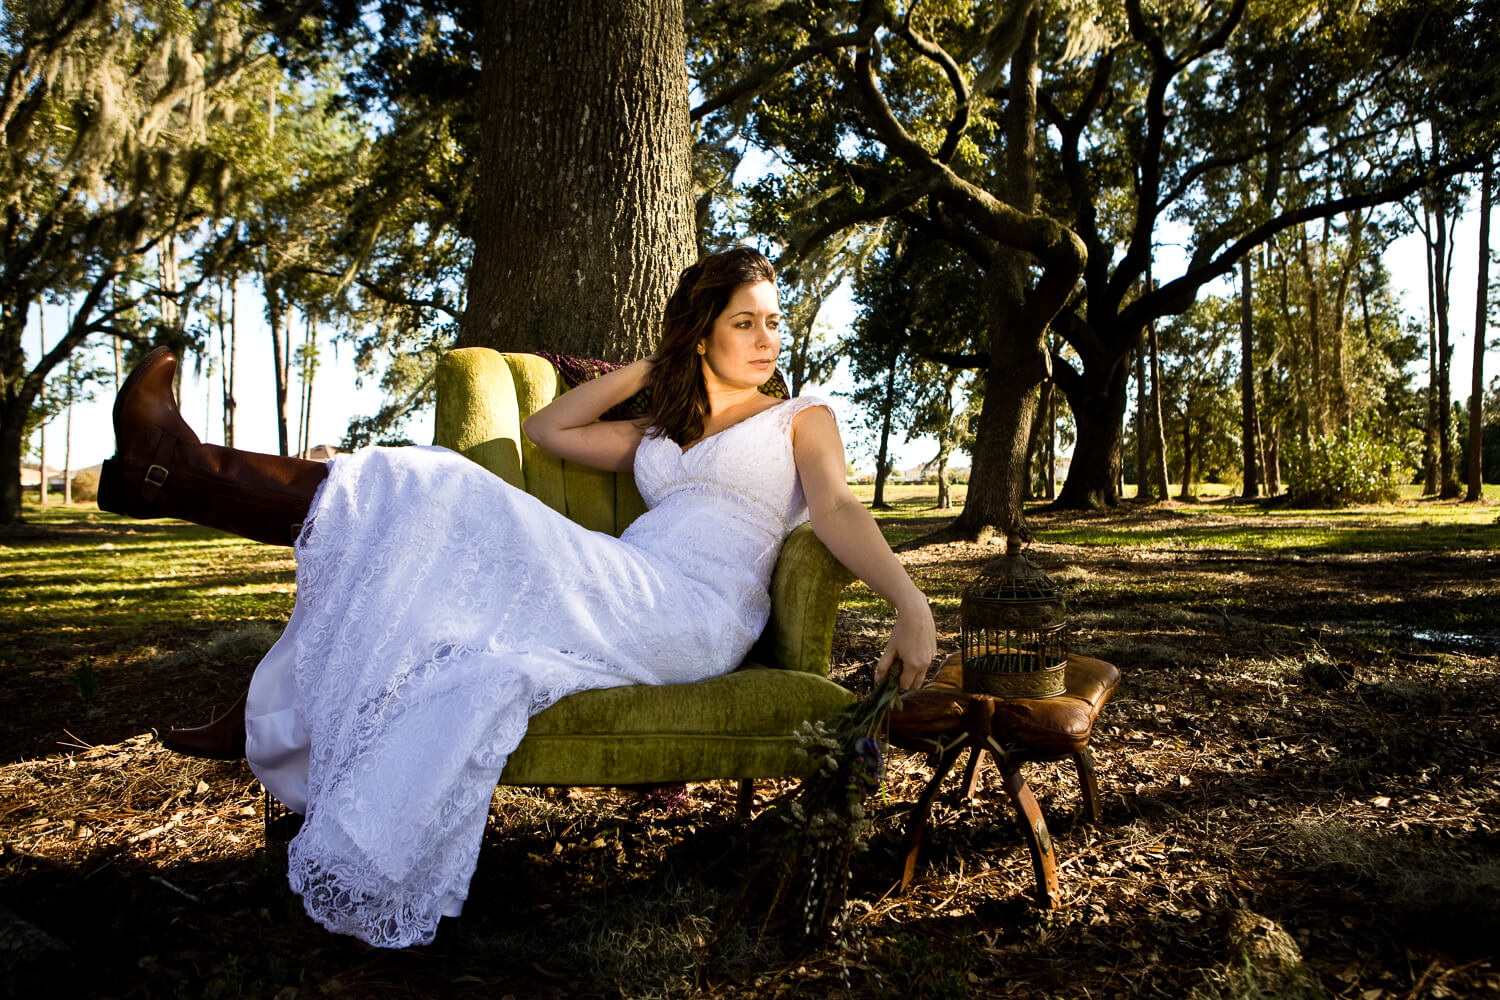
[921, 812]
[1088, 786]
[971, 773]
[1034, 830]
[744, 802]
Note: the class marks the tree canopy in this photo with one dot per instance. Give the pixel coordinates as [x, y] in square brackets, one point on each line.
[532, 177]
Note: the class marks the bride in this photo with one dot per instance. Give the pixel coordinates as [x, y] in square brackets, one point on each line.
[439, 608]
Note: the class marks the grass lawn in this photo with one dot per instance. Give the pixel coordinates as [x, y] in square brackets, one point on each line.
[1301, 784]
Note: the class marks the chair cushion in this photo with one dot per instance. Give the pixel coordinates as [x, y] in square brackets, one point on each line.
[1061, 724]
[736, 726]
[1064, 723]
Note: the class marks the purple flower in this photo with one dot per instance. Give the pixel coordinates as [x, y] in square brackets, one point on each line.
[864, 772]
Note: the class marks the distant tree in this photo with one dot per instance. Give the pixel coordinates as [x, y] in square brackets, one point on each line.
[1330, 328]
[1436, 216]
[1249, 417]
[878, 353]
[947, 422]
[1174, 116]
[1474, 471]
[807, 284]
[909, 137]
[1490, 434]
[1198, 369]
[114, 147]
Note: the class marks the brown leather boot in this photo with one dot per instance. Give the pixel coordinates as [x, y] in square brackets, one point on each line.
[221, 739]
[161, 469]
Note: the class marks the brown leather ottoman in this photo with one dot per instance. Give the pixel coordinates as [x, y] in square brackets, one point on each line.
[943, 720]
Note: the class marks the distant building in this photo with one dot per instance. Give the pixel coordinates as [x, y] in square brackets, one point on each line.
[320, 453]
[31, 475]
[928, 473]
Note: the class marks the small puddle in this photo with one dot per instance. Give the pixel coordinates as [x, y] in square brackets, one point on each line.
[1486, 643]
[1439, 637]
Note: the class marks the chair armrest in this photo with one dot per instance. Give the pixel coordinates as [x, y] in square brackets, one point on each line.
[805, 588]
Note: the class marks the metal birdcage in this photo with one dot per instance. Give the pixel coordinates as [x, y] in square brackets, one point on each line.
[1014, 630]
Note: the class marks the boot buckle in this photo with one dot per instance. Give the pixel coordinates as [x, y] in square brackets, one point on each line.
[156, 475]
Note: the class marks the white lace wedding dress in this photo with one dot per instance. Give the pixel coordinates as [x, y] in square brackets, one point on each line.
[439, 608]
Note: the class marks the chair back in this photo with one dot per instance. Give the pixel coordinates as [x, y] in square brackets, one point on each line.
[482, 397]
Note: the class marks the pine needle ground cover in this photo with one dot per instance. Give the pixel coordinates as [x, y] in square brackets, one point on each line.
[1301, 773]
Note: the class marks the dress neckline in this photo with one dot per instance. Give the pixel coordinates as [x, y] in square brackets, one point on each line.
[724, 430]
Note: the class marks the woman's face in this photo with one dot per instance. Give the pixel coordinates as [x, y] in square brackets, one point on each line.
[740, 351]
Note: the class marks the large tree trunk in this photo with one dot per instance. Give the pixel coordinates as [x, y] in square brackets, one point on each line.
[1094, 475]
[19, 388]
[997, 481]
[16, 400]
[1019, 361]
[1475, 471]
[10, 463]
[584, 198]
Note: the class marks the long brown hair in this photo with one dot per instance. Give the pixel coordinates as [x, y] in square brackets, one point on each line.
[679, 398]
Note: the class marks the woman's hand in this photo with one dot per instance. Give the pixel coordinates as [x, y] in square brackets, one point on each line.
[912, 645]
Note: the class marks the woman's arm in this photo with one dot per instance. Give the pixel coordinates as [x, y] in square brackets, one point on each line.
[841, 522]
[570, 427]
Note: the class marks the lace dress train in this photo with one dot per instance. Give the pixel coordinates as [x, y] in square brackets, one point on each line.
[439, 608]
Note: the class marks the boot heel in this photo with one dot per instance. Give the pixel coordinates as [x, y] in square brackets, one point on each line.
[116, 497]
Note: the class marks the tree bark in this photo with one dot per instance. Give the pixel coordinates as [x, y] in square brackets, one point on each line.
[1098, 454]
[998, 480]
[1158, 425]
[1447, 475]
[1142, 473]
[276, 315]
[1050, 415]
[882, 455]
[1270, 442]
[1018, 320]
[10, 462]
[1429, 427]
[1185, 492]
[227, 359]
[584, 195]
[1475, 470]
[41, 462]
[1251, 483]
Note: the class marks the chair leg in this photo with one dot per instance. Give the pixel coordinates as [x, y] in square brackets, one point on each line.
[921, 812]
[1088, 786]
[745, 801]
[971, 773]
[1034, 831]
[280, 823]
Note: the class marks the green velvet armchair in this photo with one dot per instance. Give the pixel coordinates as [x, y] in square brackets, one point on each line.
[737, 726]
